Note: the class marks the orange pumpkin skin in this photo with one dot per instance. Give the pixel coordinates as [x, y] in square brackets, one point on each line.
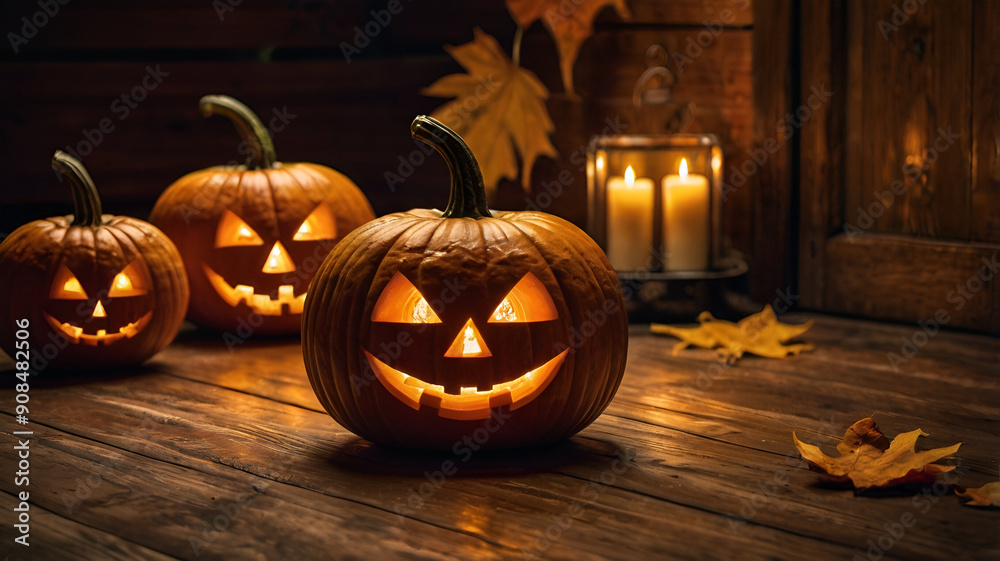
[464, 266]
[127, 265]
[272, 200]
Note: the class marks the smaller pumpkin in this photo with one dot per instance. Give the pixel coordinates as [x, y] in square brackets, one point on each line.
[99, 291]
[426, 329]
[252, 236]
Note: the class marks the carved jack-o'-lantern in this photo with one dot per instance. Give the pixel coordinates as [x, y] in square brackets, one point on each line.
[424, 327]
[99, 290]
[252, 236]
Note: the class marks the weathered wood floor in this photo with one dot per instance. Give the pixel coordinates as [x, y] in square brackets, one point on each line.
[209, 454]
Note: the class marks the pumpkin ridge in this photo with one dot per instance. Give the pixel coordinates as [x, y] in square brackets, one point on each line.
[347, 260]
[539, 220]
[569, 321]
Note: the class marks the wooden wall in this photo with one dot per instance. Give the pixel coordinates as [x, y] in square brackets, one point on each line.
[354, 116]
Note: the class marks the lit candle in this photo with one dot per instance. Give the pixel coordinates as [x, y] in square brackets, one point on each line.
[630, 221]
[685, 220]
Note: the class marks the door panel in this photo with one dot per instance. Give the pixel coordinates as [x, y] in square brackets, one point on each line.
[899, 207]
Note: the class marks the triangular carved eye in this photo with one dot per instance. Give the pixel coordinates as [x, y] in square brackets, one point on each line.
[130, 282]
[401, 302]
[234, 231]
[319, 225]
[65, 286]
[528, 301]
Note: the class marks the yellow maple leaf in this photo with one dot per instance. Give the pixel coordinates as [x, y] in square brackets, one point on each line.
[987, 495]
[761, 334]
[498, 108]
[570, 24]
[868, 460]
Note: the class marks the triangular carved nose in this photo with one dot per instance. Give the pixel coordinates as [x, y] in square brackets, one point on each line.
[278, 260]
[468, 343]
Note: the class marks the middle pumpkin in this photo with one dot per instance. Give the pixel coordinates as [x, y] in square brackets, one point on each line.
[253, 235]
[426, 327]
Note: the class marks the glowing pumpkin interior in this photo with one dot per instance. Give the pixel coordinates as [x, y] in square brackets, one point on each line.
[528, 301]
[233, 231]
[132, 281]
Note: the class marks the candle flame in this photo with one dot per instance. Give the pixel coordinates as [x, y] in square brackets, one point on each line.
[629, 177]
[683, 169]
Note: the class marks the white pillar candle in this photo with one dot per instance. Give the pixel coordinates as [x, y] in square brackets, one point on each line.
[685, 220]
[630, 221]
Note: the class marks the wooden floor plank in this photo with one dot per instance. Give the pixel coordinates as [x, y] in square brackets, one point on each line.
[681, 465]
[53, 537]
[189, 513]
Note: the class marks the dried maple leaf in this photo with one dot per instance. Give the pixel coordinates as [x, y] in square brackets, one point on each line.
[761, 334]
[987, 495]
[867, 458]
[570, 24]
[498, 107]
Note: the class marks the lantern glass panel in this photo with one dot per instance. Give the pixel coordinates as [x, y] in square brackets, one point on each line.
[677, 227]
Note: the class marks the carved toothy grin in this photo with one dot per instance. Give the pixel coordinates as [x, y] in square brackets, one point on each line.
[102, 337]
[286, 301]
[471, 403]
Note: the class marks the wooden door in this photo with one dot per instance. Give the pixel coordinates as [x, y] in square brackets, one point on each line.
[900, 167]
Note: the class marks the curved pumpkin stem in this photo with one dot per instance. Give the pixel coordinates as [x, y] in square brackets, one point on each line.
[255, 135]
[468, 194]
[86, 202]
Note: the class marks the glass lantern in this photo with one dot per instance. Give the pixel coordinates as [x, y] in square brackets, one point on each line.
[655, 201]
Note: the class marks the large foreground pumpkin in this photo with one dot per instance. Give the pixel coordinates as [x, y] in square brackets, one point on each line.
[253, 235]
[98, 291]
[465, 328]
